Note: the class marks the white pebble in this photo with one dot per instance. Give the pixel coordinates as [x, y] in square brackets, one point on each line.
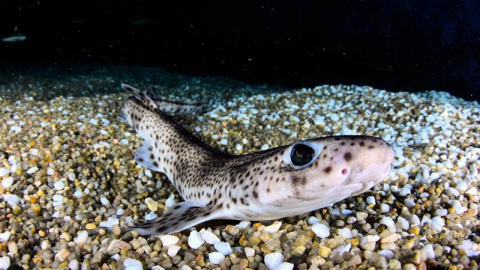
[239, 147]
[7, 182]
[81, 237]
[11, 199]
[119, 212]
[243, 224]
[313, 220]
[346, 233]
[151, 216]
[437, 223]
[403, 223]
[334, 117]
[4, 171]
[223, 247]
[132, 264]
[387, 221]
[5, 236]
[105, 121]
[57, 198]
[59, 185]
[104, 201]
[428, 249]
[209, 237]
[74, 265]
[386, 253]
[265, 147]
[215, 257]
[384, 208]
[224, 142]
[285, 266]
[441, 212]
[173, 250]
[462, 185]
[32, 170]
[170, 201]
[409, 202]
[249, 252]
[371, 200]
[93, 121]
[15, 129]
[111, 221]
[273, 228]
[4, 262]
[426, 220]
[185, 267]
[273, 260]
[148, 173]
[124, 141]
[71, 176]
[195, 240]
[168, 240]
[321, 230]
[78, 194]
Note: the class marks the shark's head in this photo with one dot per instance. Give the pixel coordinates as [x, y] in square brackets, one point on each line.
[317, 173]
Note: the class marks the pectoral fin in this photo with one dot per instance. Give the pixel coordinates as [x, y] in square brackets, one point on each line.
[180, 217]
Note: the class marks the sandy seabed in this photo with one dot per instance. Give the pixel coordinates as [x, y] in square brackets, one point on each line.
[68, 180]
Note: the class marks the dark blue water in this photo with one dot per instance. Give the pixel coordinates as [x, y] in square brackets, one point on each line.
[395, 45]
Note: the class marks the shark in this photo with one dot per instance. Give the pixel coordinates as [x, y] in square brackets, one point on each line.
[280, 182]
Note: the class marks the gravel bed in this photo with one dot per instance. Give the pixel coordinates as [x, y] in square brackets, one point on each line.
[68, 181]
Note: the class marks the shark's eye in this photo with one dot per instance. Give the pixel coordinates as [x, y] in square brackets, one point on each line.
[302, 154]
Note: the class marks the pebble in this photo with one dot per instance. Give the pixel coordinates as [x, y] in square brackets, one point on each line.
[81, 238]
[285, 266]
[223, 247]
[321, 230]
[7, 182]
[5, 236]
[273, 228]
[243, 224]
[209, 237]
[4, 171]
[4, 262]
[195, 240]
[249, 252]
[168, 240]
[173, 250]
[216, 257]
[273, 260]
[427, 201]
[132, 264]
[11, 199]
[111, 221]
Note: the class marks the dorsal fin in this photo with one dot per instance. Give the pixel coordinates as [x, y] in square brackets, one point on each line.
[142, 96]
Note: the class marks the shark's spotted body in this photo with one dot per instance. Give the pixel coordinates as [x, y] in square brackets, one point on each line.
[280, 182]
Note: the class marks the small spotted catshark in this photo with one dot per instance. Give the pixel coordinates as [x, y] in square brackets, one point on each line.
[280, 182]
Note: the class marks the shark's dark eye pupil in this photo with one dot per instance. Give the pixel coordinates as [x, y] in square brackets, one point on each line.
[301, 154]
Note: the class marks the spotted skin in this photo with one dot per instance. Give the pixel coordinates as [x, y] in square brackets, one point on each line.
[260, 186]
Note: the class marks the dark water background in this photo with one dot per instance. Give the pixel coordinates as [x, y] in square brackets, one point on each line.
[393, 45]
